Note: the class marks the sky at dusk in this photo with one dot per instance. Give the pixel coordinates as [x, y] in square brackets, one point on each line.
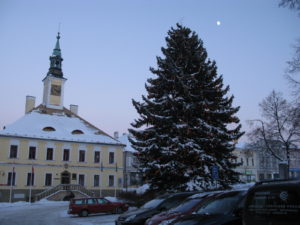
[109, 45]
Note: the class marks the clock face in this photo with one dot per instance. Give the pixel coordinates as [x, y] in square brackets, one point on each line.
[55, 90]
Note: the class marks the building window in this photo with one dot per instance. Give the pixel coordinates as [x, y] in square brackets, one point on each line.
[32, 152]
[13, 151]
[252, 162]
[96, 180]
[249, 178]
[111, 180]
[81, 156]
[242, 161]
[261, 176]
[49, 154]
[74, 176]
[66, 156]
[97, 157]
[48, 179]
[111, 157]
[48, 129]
[81, 179]
[247, 161]
[133, 179]
[11, 179]
[30, 179]
[77, 132]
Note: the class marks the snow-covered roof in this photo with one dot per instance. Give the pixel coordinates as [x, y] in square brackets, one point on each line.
[62, 126]
[124, 140]
[240, 145]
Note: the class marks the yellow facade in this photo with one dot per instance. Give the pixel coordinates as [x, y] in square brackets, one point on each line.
[23, 165]
[55, 100]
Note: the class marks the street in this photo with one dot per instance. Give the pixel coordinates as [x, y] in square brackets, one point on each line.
[48, 213]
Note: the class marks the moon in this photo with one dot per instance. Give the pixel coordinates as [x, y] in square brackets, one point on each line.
[218, 23]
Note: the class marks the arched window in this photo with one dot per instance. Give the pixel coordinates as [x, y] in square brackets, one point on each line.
[77, 132]
[48, 129]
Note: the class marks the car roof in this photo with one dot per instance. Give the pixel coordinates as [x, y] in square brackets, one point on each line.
[177, 194]
[87, 198]
[275, 184]
[204, 194]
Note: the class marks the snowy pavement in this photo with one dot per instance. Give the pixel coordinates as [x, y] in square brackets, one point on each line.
[47, 213]
[53, 213]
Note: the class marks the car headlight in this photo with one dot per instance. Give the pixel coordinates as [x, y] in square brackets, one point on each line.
[130, 217]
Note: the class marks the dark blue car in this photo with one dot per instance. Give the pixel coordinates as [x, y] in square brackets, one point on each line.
[225, 208]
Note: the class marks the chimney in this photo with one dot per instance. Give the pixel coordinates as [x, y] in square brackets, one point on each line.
[74, 109]
[30, 103]
[116, 135]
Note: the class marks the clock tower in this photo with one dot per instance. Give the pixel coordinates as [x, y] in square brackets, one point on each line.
[54, 81]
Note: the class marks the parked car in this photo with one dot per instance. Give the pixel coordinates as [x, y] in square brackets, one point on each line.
[149, 209]
[274, 202]
[225, 208]
[187, 207]
[86, 206]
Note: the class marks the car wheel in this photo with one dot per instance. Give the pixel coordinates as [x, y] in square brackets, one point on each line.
[84, 213]
[118, 210]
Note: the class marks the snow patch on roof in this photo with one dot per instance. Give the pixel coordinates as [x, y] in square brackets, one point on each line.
[124, 140]
[32, 124]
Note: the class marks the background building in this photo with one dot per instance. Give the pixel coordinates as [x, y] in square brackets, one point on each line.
[258, 165]
[132, 176]
[249, 162]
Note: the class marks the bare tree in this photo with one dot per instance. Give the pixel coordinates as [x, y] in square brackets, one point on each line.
[294, 69]
[292, 4]
[294, 64]
[279, 130]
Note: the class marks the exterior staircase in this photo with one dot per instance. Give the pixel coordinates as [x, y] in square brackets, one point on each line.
[66, 189]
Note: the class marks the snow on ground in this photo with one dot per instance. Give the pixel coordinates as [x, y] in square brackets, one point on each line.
[142, 189]
[55, 212]
[42, 202]
[48, 213]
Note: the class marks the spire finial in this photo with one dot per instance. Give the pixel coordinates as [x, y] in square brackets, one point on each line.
[58, 32]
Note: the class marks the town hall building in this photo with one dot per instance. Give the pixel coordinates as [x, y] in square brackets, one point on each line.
[52, 152]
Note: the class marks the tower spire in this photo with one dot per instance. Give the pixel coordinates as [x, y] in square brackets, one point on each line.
[56, 60]
[54, 82]
[56, 50]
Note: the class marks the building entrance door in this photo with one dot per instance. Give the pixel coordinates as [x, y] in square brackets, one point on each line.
[65, 177]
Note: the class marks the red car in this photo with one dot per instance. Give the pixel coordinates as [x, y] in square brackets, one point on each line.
[187, 207]
[86, 206]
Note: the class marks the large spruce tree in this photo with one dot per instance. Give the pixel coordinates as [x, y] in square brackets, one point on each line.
[187, 122]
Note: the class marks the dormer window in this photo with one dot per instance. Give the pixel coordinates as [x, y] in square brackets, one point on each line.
[77, 132]
[48, 129]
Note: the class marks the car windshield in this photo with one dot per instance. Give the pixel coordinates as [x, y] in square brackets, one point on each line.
[153, 203]
[185, 206]
[221, 205]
